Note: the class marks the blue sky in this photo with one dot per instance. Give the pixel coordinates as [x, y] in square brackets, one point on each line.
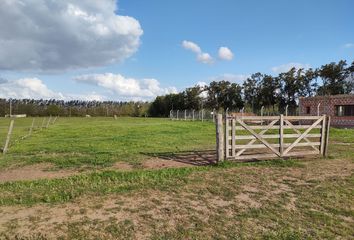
[266, 36]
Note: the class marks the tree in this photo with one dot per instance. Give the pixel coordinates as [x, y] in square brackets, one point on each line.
[223, 95]
[335, 79]
[192, 97]
[251, 90]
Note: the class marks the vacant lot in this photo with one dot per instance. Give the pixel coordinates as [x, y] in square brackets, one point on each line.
[133, 178]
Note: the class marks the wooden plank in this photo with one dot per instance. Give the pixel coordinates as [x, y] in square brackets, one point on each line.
[261, 133]
[327, 136]
[302, 135]
[245, 118]
[219, 138]
[256, 156]
[277, 127]
[302, 153]
[302, 117]
[8, 137]
[275, 136]
[277, 145]
[257, 136]
[323, 133]
[233, 137]
[298, 132]
[281, 135]
[272, 155]
[259, 118]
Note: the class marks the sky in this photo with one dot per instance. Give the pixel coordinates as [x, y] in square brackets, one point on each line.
[136, 49]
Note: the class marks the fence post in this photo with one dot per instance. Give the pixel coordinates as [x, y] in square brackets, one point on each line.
[31, 128]
[193, 114]
[323, 136]
[171, 117]
[233, 140]
[202, 115]
[227, 132]
[177, 114]
[50, 118]
[42, 126]
[214, 115]
[318, 109]
[262, 109]
[185, 114]
[286, 110]
[54, 119]
[8, 137]
[219, 139]
[327, 136]
[281, 135]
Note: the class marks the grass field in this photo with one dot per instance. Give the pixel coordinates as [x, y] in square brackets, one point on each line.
[92, 198]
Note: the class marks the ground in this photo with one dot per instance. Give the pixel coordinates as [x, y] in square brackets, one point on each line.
[157, 179]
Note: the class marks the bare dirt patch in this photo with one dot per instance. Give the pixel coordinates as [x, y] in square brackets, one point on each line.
[32, 172]
[158, 163]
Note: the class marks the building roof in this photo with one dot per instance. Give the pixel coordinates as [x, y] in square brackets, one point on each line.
[330, 96]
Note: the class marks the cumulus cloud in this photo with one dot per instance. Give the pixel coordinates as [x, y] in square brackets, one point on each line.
[60, 35]
[27, 88]
[144, 89]
[201, 56]
[34, 88]
[225, 54]
[286, 67]
[205, 58]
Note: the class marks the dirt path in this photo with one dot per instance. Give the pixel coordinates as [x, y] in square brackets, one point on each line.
[43, 170]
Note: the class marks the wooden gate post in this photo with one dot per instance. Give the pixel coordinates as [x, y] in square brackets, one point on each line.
[219, 139]
[281, 134]
[7, 142]
[327, 136]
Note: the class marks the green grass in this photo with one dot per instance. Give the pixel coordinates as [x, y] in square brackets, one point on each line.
[275, 199]
[99, 142]
[104, 182]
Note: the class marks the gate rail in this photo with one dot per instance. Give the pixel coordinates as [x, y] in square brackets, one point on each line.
[256, 137]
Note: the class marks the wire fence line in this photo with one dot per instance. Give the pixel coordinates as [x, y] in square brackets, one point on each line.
[13, 130]
[210, 115]
[192, 115]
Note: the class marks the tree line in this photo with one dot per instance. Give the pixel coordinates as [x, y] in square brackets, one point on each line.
[272, 92]
[75, 108]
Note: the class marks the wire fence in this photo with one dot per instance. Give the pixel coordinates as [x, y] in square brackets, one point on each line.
[192, 115]
[13, 130]
[209, 115]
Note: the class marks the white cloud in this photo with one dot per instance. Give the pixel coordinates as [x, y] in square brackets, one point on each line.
[43, 35]
[236, 78]
[225, 54]
[191, 46]
[201, 56]
[27, 88]
[34, 88]
[288, 66]
[205, 58]
[128, 88]
[348, 45]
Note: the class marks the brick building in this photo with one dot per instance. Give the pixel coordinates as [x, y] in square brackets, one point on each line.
[339, 107]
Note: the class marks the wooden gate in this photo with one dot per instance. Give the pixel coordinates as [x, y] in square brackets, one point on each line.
[255, 137]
